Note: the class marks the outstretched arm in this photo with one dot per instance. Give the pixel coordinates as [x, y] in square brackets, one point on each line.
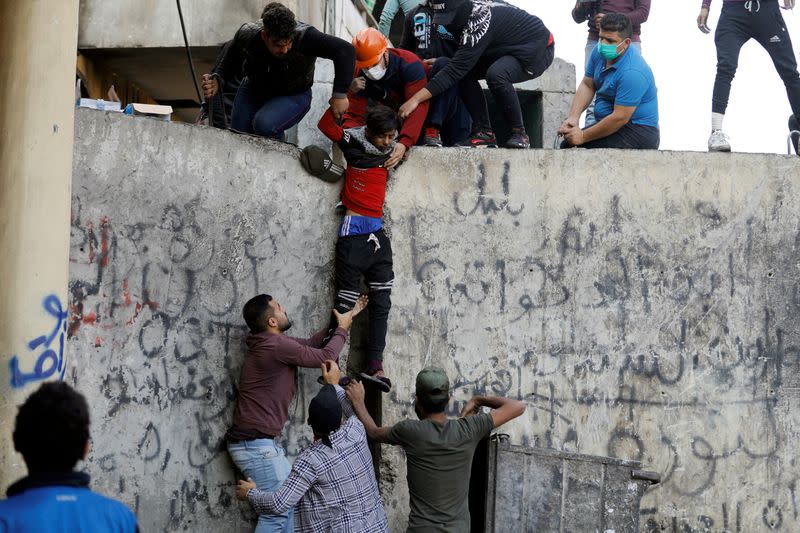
[355, 393]
[503, 409]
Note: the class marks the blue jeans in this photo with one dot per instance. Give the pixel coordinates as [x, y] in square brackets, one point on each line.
[448, 112]
[265, 463]
[269, 117]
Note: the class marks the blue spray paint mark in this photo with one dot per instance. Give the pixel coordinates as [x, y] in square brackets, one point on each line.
[50, 360]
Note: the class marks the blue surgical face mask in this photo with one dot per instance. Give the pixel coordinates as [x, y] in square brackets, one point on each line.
[609, 51]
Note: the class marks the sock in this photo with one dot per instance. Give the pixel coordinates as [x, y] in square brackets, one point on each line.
[716, 121]
[374, 365]
[431, 130]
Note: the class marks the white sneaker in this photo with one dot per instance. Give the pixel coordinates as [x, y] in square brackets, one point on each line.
[719, 142]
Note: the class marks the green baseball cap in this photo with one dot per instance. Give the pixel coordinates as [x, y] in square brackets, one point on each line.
[317, 162]
[432, 384]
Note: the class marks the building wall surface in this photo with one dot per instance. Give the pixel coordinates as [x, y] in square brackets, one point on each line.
[155, 23]
[644, 305]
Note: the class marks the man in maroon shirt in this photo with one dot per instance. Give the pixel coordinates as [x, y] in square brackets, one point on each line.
[266, 388]
[594, 11]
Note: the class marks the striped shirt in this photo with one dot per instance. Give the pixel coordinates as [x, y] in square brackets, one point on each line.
[332, 489]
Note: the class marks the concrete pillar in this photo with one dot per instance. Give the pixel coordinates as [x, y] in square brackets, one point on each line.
[37, 98]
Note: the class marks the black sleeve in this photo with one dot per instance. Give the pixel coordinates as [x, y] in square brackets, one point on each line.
[474, 42]
[231, 58]
[409, 42]
[318, 44]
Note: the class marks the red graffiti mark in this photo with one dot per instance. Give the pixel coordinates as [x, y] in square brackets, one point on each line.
[98, 342]
[76, 311]
[90, 318]
[104, 241]
[136, 311]
[126, 292]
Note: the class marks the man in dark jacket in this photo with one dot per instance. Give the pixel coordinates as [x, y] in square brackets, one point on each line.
[52, 434]
[277, 54]
[500, 43]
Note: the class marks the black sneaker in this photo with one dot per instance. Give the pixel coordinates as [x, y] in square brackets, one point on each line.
[480, 139]
[794, 132]
[518, 140]
[382, 383]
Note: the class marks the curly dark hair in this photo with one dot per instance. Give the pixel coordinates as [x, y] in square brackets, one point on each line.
[52, 428]
[279, 21]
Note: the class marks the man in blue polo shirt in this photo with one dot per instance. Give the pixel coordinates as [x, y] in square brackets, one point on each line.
[626, 108]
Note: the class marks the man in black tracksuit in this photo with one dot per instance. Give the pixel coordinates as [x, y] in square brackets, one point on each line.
[498, 42]
[740, 21]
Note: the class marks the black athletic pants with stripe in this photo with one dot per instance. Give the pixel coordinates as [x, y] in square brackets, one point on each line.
[762, 21]
[369, 256]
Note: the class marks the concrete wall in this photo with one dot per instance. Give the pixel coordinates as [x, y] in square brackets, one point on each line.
[173, 229]
[643, 304]
[155, 23]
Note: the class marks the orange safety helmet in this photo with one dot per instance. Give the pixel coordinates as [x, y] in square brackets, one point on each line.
[370, 44]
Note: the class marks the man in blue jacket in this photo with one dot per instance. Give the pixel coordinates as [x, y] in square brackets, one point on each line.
[627, 99]
[52, 434]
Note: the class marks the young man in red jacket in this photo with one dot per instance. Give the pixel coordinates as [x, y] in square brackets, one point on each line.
[363, 249]
[386, 76]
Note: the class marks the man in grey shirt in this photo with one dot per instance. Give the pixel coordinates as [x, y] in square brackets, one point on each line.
[438, 450]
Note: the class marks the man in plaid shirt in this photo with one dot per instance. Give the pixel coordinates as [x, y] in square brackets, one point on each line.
[332, 483]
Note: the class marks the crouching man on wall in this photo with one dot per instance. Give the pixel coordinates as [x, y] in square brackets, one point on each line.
[626, 107]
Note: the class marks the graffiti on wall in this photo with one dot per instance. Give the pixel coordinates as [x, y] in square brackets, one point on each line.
[673, 345]
[158, 341]
[47, 350]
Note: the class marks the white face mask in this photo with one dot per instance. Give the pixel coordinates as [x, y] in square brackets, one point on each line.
[375, 73]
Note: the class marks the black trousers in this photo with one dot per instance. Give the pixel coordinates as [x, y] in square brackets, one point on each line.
[628, 137]
[501, 74]
[762, 21]
[369, 256]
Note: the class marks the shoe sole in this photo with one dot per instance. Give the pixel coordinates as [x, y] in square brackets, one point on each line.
[724, 150]
[382, 384]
